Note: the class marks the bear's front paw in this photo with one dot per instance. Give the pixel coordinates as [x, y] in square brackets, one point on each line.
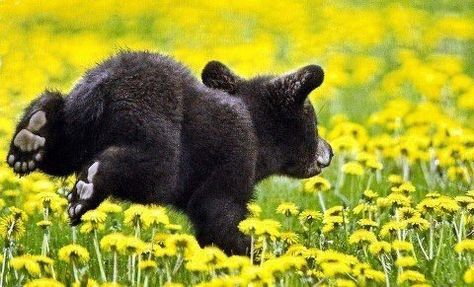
[84, 195]
[27, 146]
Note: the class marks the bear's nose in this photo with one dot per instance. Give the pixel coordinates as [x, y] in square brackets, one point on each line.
[324, 153]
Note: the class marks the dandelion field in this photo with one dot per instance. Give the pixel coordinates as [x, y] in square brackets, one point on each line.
[395, 208]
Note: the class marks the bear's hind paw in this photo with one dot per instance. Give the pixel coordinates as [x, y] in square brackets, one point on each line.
[27, 148]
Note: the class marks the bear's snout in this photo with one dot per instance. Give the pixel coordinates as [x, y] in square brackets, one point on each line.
[324, 153]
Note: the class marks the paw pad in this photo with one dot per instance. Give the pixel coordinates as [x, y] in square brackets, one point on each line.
[26, 151]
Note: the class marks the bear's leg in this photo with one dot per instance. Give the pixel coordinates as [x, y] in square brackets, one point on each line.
[125, 172]
[35, 133]
[219, 204]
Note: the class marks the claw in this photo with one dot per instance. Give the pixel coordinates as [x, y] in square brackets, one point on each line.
[11, 159]
[77, 209]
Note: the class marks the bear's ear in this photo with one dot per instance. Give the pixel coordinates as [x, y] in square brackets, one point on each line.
[292, 89]
[218, 76]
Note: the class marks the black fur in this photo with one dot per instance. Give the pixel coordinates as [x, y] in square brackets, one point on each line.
[161, 136]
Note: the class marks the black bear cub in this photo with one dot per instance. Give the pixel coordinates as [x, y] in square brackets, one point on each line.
[140, 127]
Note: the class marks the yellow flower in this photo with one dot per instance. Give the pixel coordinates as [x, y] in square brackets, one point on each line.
[147, 265]
[44, 282]
[109, 207]
[399, 245]
[466, 245]
[234, 262]
[44, 223]
[405, 188]
[367, 223]
[113, 242]
[182, 243]
[132, 245]
[353, 168]
[133, 216]
[370, 195]
[249, 226]
[308, 216]
[88, 283]
[26, 263]
[289, 238]
[206, 259]
[391, 228]
[362, 236]
[93, 220]
[287, 209]
[254, 209]
[407, 261]
[316, 183]
[378, 247]
[11, 227]
[73, 253]
[411, 276]
[156, 216]
[469, 275]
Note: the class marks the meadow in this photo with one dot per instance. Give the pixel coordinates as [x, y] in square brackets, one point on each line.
[396, 207]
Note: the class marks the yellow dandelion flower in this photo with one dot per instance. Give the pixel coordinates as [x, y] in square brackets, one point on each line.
[406, 261]
[362, 236]
[133, 216]
[11, 227]
[156, 216]
[147, 265]
[418, 223]
[392, 227]
[395, 179]
[379, 247]
[309, 216]
[316, 184]
[464, 200]
[26, 263]
[133, 245]
[353, 168]
[334, 211]
[289, 238]
[113, 242]
[109, 207]
[234, 262]
[44, 282]
[254, 209]
[400, 245]
[466, 245]
[94, 216]
[44, 223]
[406, 188]
[411, 276]
[89, 283]
[367, 223]
[182, 243]
[73, 253]
[469, 275]
[344, 283]
[287, 209]
[369, 194]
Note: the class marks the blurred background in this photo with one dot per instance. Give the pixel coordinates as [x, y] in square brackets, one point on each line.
[399, 87]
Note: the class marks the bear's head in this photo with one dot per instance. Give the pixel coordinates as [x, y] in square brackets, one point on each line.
[284, 120]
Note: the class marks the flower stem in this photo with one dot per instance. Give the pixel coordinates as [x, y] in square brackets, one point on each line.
[99, 257]
[114, 276]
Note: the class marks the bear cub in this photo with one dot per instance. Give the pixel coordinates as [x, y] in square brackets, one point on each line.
[140, 127]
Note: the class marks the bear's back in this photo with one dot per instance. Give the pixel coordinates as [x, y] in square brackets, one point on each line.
[131, 82]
